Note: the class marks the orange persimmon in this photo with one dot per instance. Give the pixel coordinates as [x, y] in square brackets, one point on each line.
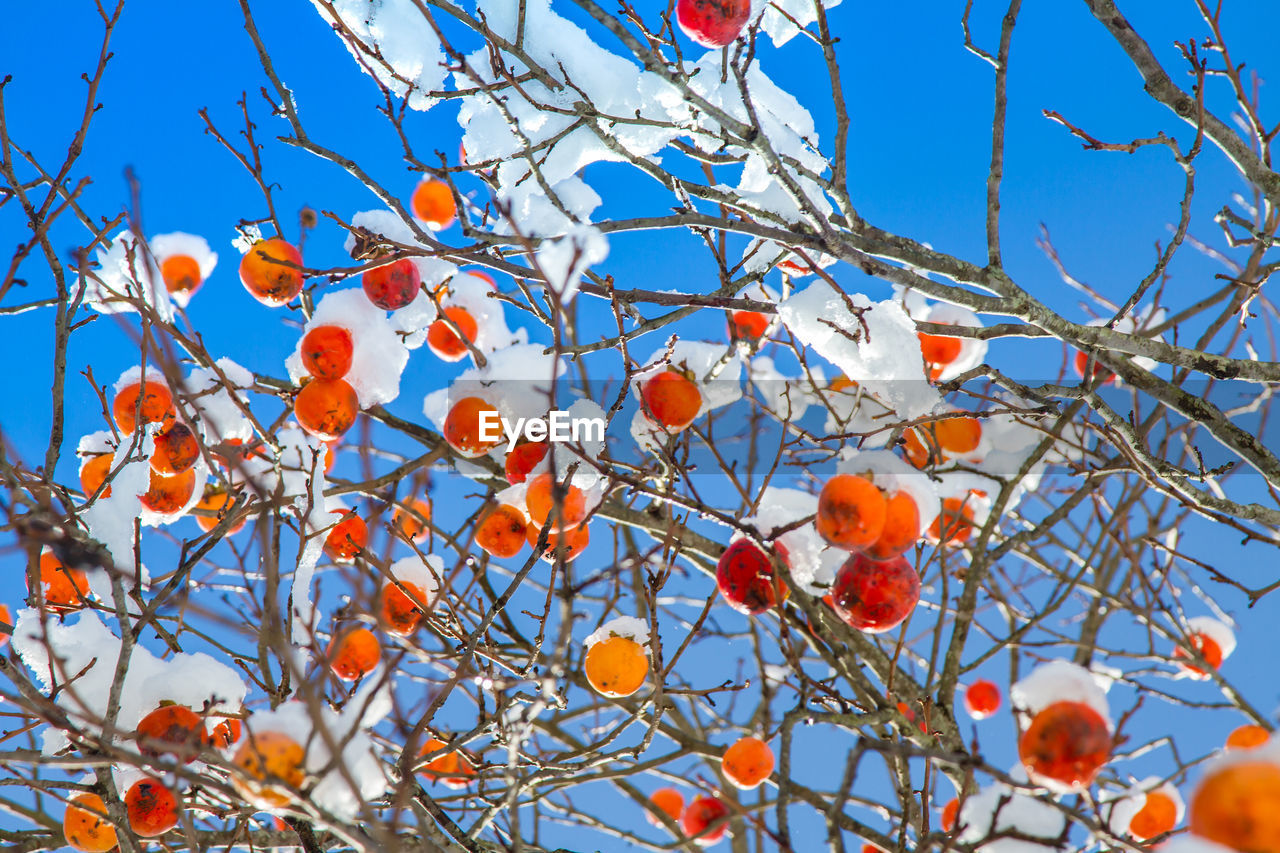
[181, 274]
[152, 808]
[666, 801]
[671, 399]
[747, 763]
[432, 202]
[1238, 806]
[171, 730]
[445, 342]
[168, 495]
[541, 501]
[851, 512]
[354, 653]
[453, 770]
[616, 666]
[501, 531]
[86, 826]
[472, 427]
[347, 538]
[1066, 744]
[326, 408]
[270, 764]
[64, 588]
[327, 351]
[271, 272]
[147, 402]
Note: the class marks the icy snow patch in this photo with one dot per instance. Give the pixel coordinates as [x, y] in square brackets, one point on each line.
[883, 358]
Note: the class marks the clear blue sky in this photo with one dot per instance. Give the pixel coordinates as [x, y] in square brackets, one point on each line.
[920, 107]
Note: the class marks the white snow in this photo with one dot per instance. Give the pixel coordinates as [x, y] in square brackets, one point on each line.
[1000, 807]
[1061, 681]
[126, 271]
[620, 626]
[820, 318]
[214, 403]
[83, 644]
[563, 261]
[780, 27]
[425, 576]
[409, 61]
[1215, 630]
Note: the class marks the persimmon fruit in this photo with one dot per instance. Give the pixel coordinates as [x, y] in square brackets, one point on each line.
[326, 408]
[354, 653]
[445, 342]
[392, 286]
[152, 808]
[327, 352]
[86, 826]
[616, 666]
[747, 763]
[433, 203]
[671, 399]
[271, 272]
[1065, 746]
[851, 512]
[874, 596]
[746, 579]
[501, 531]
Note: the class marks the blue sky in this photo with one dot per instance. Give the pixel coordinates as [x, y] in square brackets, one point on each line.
[920, 108]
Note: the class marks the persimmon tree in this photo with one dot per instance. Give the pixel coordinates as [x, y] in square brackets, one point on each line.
[821, 531]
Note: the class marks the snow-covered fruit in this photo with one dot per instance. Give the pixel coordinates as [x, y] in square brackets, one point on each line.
[746, 578]
[851, 512]
[566, 506]
[616, 666]
[875, 596]
[450, 339]
[712, 23]
[1214, 640]
[145, 402]
[327, 351]
[173, 730]
[1065, 745]
[462, 427]
[271, 272]
[938, 352]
